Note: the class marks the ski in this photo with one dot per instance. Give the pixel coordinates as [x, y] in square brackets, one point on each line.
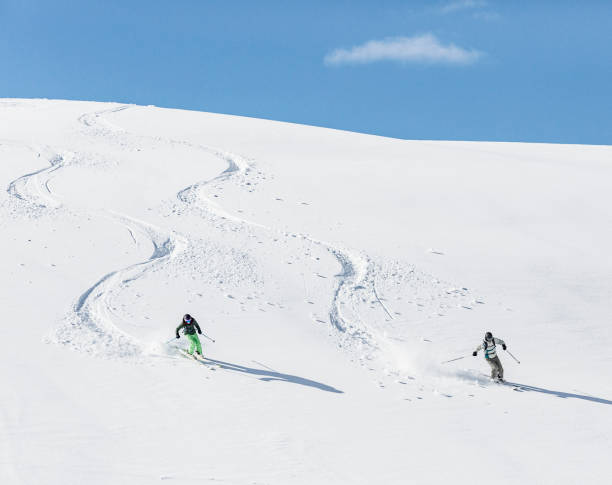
[503, 382]
[199, 359]
[187, 355]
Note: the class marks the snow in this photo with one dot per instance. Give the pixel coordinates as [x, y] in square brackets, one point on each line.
[335, 270]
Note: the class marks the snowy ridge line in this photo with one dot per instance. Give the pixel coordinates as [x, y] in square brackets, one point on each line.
[40, 195]
[92, 325]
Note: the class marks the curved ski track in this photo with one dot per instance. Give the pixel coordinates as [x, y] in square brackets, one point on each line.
[91, 326]
[33, 188]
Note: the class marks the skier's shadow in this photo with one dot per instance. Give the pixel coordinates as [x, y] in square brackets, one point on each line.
[271, 375]
[564, 395]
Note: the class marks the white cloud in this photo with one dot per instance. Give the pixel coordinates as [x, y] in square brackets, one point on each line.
[461, 5]
[423, 48]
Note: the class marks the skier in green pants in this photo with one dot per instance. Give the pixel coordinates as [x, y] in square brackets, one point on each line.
[189, 326]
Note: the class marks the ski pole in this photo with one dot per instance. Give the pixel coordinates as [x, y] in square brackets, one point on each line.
[517, 361]
[171, 340]
[453, 360]
[211, 339]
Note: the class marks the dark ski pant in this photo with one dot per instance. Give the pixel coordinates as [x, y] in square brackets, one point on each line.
[496, 368]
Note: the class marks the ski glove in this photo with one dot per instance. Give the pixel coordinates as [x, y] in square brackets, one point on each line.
[474, 353]
[200, 333]
[178, 336]
[504, 346]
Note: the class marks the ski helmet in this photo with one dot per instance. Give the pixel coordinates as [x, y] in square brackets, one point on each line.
[488, 336]
[187, 318]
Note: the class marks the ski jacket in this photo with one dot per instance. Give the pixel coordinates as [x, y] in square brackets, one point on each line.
[489, 347]
[188, 328]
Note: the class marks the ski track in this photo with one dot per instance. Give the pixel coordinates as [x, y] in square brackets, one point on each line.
[89, 327]
[92, 325]
[99, 126]
[193, 194]
[33, 188]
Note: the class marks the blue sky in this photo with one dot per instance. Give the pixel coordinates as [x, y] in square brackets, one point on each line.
[459, 69]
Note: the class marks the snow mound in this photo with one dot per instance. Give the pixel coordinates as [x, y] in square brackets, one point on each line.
[341, 281]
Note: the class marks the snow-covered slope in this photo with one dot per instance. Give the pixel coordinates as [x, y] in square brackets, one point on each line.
[336, 271]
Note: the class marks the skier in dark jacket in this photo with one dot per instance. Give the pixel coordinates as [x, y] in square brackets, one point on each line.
[190, 326]
[488, 345]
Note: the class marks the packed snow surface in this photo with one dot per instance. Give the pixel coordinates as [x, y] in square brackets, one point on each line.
[335, 272]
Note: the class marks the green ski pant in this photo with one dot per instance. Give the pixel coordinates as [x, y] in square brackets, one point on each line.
[194, 343]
